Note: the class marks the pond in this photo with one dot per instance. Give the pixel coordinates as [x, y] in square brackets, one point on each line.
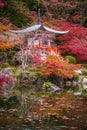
[34, 110]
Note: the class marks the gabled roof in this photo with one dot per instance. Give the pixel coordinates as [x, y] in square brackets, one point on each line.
[36, 27]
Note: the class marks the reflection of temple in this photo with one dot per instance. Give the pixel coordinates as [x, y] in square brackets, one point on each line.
[38, 33]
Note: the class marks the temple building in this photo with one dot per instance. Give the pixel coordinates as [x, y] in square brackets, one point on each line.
[35, 34]
[37, 42]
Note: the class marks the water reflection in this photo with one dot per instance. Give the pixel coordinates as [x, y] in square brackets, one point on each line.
[31, 106]
[41, 113]
[52, 123]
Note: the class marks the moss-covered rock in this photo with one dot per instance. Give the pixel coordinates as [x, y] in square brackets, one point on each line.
[71, 59]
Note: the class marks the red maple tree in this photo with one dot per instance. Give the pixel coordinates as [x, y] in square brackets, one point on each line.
[2, 3]
[5, 79]
[74, 42]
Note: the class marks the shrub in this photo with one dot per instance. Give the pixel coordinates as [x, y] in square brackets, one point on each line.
[4, 65]
[47, 84]
[71, 59]
[11, 53]
[84, 72]
[85, 65]
[76, 76]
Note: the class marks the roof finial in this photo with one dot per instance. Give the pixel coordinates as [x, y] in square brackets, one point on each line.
[38, 16]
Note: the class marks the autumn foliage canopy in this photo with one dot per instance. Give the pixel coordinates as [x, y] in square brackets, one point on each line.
[74, 42]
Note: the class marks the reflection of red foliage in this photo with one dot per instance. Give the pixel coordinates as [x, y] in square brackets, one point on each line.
[2, 3]
[74, 42]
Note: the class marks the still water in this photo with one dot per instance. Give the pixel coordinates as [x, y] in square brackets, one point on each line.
[27, 110]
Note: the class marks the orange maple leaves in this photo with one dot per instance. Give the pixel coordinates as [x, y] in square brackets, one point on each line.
[56, 64]
[4, 27]
[5, 45]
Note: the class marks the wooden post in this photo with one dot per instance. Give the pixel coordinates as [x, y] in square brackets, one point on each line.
[49, 44]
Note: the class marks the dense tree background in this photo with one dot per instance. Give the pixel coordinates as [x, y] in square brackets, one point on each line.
[19, 12]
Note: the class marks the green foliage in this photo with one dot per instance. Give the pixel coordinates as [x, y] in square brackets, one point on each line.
[32, 4]
[71, 59]
[76, 76]
[17, 71]
[2, 101]
[47, 84]
[38, 71]
[13, 68]
[4, 65]
[85, 65]
[23, 5]
[11, 53]
[14, 16]
[84, 22]
[43, 8]
[13, 100]
[48, 94]
[84, 72]
[19, 19]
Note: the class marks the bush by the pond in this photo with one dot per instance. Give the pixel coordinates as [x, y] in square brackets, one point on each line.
[47, 84]
[71, 59]
[84, 72]
[76, 76]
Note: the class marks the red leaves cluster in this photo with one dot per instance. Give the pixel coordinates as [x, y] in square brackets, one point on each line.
[4, 20]
[56, 64]
[5, 79]
[74, 42]
[38, 61]
[2, 3]
[76, 18]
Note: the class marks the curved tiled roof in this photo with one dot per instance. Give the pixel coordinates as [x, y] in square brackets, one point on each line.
[36, 27]
[54, 31]
[29, 29]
